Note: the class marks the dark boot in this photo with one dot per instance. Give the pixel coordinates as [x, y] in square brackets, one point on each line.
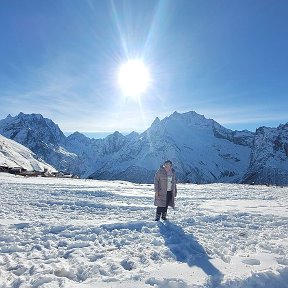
[164, 216]
[157, 218]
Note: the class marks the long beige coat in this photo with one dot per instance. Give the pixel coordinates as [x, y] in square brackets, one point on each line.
[160, 187]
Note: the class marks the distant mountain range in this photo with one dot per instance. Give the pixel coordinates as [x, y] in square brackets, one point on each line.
[202, 150]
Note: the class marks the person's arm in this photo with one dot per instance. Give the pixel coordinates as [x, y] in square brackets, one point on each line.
[156, 184]
[175, 181]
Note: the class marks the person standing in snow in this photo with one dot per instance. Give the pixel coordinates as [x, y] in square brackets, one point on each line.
[165, 189]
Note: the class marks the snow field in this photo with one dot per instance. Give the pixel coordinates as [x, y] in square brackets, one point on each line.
[85, 233]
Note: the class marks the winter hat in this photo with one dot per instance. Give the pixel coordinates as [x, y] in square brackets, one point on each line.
[168, 161]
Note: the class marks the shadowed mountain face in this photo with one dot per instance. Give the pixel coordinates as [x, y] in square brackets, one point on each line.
[202, 150]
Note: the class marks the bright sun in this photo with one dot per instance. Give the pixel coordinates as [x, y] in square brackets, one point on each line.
[133, 78]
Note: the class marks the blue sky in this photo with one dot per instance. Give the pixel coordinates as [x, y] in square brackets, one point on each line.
[224, 59]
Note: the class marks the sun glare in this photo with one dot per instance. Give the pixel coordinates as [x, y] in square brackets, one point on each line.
[133, 78]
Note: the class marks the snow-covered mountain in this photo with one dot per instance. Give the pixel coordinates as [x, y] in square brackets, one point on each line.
[40, 135]
[13, 154]
[269, 157]
[202, 150]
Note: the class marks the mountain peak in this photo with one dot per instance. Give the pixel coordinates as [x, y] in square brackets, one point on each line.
[156, 121]
[190, 118]
[77, 135]
[29, 116]
[175, 113]
[117, 133]
[31, 129]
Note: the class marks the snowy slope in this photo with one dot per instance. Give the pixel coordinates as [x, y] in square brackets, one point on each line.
[13, 154]
[88, 233]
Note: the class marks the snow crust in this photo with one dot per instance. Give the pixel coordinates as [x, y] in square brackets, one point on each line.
[88, 233]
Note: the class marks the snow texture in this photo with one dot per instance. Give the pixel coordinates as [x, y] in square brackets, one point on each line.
[89, 233]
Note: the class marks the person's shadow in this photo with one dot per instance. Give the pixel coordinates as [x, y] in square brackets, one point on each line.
[188, 250]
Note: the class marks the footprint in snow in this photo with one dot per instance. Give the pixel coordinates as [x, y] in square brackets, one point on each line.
[251, 261]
